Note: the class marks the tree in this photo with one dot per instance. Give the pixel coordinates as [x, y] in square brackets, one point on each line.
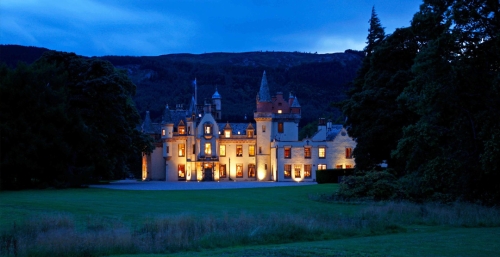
[67, 120]
[374, 118]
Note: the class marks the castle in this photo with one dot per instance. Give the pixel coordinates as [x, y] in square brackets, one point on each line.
[191, 145]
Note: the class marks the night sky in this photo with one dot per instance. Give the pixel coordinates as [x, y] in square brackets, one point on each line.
[155, 27]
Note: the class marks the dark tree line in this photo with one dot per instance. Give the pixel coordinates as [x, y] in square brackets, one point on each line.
[66, 121]
[427, 100]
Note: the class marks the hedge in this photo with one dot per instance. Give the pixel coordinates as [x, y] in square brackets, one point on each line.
[332, 175]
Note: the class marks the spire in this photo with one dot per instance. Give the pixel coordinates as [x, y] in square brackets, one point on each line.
[216, 95]
[167, 116]
[195, 92]
[295, 103]
[147, 126]
[264, 95]
[192, 106]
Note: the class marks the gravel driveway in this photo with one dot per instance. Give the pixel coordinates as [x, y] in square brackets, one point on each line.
[193, 185]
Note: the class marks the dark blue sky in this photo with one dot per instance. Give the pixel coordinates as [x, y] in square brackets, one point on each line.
[155, 27]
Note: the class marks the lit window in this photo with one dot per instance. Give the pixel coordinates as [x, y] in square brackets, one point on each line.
[251, 170]
[296, 169]
[181, 171]
[239, 170]
[288, 171]
[251, 150]
[208, 129]
[239, 150]
[288, 153]
[307, 152]
[321, 166]
[163, 133]
[280, 111]
[307, 170]
[249, 133]
[182, 130]
[348, 166]
[222, 171]
[222, 150]
[182, 150]
[227, 133]
[208, 148]
[263, 128]
[348, 153]
[280, 127]
[339, 166]
[321, 152]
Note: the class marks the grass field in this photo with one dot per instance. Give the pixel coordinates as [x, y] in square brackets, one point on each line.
[281, 221]
[422, 241]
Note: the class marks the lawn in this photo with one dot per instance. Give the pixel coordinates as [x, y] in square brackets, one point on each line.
[133, 205]
[280, 221]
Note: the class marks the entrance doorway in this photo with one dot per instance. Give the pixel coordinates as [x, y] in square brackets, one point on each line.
[208, 172]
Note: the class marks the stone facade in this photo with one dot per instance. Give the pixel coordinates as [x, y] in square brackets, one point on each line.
[191, 145]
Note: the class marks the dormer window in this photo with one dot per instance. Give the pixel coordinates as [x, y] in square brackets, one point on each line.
[208, 129]
[182, 130]
[227, 133]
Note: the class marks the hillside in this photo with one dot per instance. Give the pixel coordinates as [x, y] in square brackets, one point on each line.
[316, 79]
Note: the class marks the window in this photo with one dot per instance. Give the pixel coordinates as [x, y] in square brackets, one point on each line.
[348, 153]
[307, 152]
[296, 169]
[208, 129]
[251, 150]
[227, 133]
[347, 166]
[280, 127]
[239, 170]
[239, 150]
[189, 130]
[168, 149]
[251, 170]
[339, 166]
[321, 166]
[182, 130]
[260, 149]
[321, 152]
[263, 128]
[280, 111]
[222, 171]
[182, 150]
[288, 171]
[249, 133]
[163, 133]
[222, 150]
[208, 149]
[307, 170]
[181, 171]
[288, 152]
[194, 148]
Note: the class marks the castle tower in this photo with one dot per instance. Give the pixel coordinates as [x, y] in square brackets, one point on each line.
[216, 101]
[263, 118]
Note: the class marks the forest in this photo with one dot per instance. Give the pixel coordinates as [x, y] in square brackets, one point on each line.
[426, 101]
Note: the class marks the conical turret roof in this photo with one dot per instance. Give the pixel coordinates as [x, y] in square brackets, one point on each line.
[147, 125]
[264, 95]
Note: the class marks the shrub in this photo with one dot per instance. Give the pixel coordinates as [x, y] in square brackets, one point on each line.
[372, 185]
[332, 175]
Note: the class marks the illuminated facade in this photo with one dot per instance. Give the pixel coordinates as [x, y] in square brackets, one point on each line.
[191, 145]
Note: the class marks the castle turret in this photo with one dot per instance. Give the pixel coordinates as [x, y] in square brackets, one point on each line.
[216, 101]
